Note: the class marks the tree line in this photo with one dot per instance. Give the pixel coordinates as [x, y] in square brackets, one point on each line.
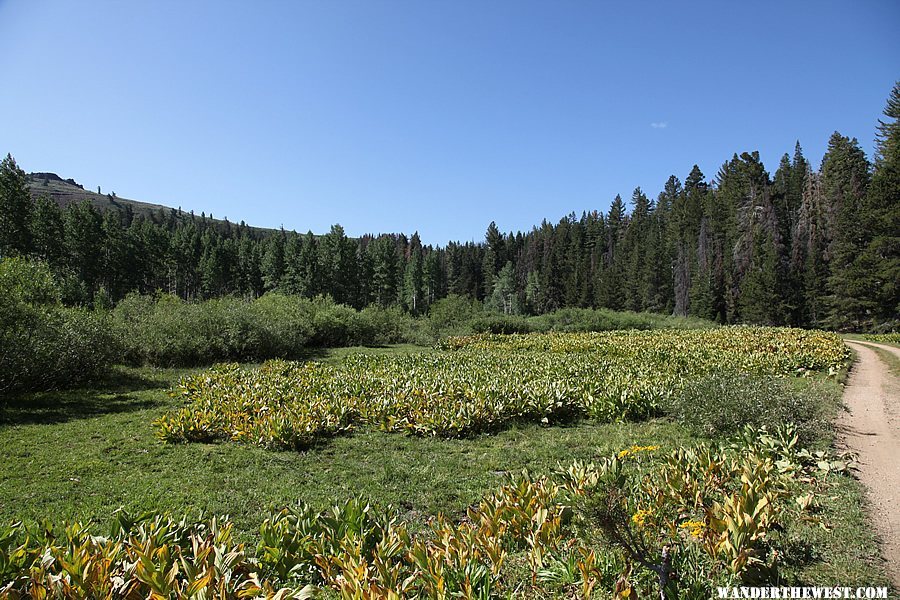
[803, 247]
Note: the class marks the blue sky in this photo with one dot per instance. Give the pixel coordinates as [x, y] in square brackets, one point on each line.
[428, 115]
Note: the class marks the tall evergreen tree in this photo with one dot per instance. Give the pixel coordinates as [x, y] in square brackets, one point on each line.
[434, 276]
[744, 188]
[84, 250]
[609, 284]
[414, 277]
[15, 209]
[273, 264]
[48, 233]
[635, 243]
[385, 270]
[845, 180]
[880, 259]
[337, 259]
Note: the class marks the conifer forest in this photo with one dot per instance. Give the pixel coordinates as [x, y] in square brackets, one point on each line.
[802, 245]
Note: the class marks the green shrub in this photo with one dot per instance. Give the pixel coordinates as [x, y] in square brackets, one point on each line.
[497, 323]
[453, 315]
[457, 316]
[333, 324]
[380, 326]
[883, 338]
[601, 319]
[24, 281]
[43, 345]
[285, 324]
[167, 331]
[723, 403]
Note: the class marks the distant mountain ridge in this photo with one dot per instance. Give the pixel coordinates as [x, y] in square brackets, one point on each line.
[69, 191]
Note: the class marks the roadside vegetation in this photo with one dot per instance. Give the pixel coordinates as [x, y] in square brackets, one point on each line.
[883, 338]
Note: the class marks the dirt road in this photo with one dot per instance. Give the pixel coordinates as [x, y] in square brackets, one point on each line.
[872, 429]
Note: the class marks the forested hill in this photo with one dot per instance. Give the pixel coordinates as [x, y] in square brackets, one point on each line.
[69, 191]
[805, 246]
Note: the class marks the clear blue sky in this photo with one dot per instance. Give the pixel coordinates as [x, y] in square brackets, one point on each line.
[428, 115]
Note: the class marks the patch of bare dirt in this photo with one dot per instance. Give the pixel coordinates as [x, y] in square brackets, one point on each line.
[871, 429]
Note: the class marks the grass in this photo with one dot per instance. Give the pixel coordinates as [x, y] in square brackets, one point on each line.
[842, 550]
[890, 359]
[82, 454]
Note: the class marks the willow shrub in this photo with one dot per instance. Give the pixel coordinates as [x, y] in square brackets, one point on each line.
[42, 344]
[720, 404]
[167, 331]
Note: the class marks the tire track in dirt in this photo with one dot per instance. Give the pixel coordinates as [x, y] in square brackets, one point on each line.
[871, 428]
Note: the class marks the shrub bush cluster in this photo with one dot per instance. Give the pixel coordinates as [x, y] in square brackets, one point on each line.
[167, 331]
[721, 404]
[47, 345]
[581, 320]
[42, 344]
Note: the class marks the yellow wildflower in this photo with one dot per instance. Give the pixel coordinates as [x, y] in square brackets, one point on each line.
[640, 517]
[636, 449]
[695, 528]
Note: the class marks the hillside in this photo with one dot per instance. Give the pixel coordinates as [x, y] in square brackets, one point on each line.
[68, 191]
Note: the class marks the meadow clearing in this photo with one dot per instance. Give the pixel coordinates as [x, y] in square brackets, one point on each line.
[550, 465]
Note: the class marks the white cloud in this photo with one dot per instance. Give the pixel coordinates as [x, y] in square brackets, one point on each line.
[659, 124]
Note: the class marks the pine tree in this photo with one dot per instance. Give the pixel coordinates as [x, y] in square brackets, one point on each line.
[337, 259]
[15, 209]
[759, 301]
[788, 189]
[83, 243]
[494, 252]
[434, 276]
[886, 138]
[702, 292]
[293, 268]
[497, 245]
[249, 262]
[48, 233]
[634, 252]
[808, 267]
[658, 272]
[363, 293]
[687, 210]
[881, 256]
[385, 270]
[307, 279]
[845, 180]
[609, 284]
[213, 267]
[273, 264]
[744, 192]
[117, 257]
[414, 276]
